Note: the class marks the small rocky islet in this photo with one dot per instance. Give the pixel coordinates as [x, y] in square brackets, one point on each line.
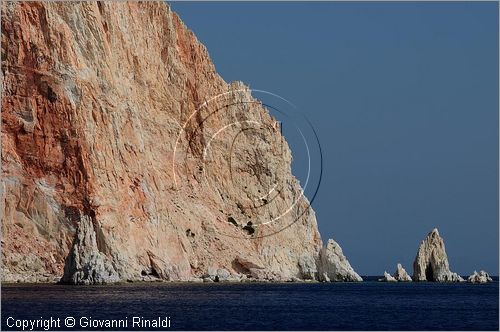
[431, 264]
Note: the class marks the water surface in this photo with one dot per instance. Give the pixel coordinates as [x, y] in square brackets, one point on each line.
[265, 306]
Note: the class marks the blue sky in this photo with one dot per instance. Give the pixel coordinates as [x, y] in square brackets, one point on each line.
[404, 99]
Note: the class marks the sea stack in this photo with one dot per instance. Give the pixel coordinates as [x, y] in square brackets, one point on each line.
[334, 266]
[431, 262]
[387, 278]
[401, 274]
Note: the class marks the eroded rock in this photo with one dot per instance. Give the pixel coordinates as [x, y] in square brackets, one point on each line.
[431, 262]
[387, 278]
[334, 266]
[86, 265]
[479, 278]
[401, 274]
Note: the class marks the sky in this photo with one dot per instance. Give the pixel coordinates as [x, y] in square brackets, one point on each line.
[404, 100]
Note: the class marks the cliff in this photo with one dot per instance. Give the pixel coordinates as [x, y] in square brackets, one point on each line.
[126, 156]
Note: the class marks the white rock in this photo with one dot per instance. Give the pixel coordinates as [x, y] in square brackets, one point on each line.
[217, 274]
[334, 265]
[480, 278]
[308, 268]
[387, 278]
[222, 274]
[431, 262]
[401, 274]
[212, 272]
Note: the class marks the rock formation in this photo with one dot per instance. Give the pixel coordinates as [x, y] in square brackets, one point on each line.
[86, 264]
[480, 278]
[217, 275]
[401, 274]
[115, 165]
[334, 266]
[431, 262]
[387, 278]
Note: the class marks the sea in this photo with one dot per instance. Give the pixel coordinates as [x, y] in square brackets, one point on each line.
[368, 305]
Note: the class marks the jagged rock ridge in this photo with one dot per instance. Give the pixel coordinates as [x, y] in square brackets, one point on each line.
[107, 171]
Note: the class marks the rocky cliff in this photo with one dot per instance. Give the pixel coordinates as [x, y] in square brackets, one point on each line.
[126, 156]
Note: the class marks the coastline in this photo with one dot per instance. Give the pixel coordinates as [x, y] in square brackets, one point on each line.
[366, 279]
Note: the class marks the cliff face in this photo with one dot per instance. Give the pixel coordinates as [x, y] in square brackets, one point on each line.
[125, 154]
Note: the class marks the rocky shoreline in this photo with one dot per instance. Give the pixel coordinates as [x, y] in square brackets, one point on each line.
[105, 177]
[85, 267]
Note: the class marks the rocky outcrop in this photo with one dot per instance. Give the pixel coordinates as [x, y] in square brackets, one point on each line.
[114, 165]
[480, 278]
[218, 275]
[334, 266]
[86, 264]
[431, 262]
[387, 278]
[401, 274]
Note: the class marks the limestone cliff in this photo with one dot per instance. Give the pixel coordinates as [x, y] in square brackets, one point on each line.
[431, 262]
[126, 156]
